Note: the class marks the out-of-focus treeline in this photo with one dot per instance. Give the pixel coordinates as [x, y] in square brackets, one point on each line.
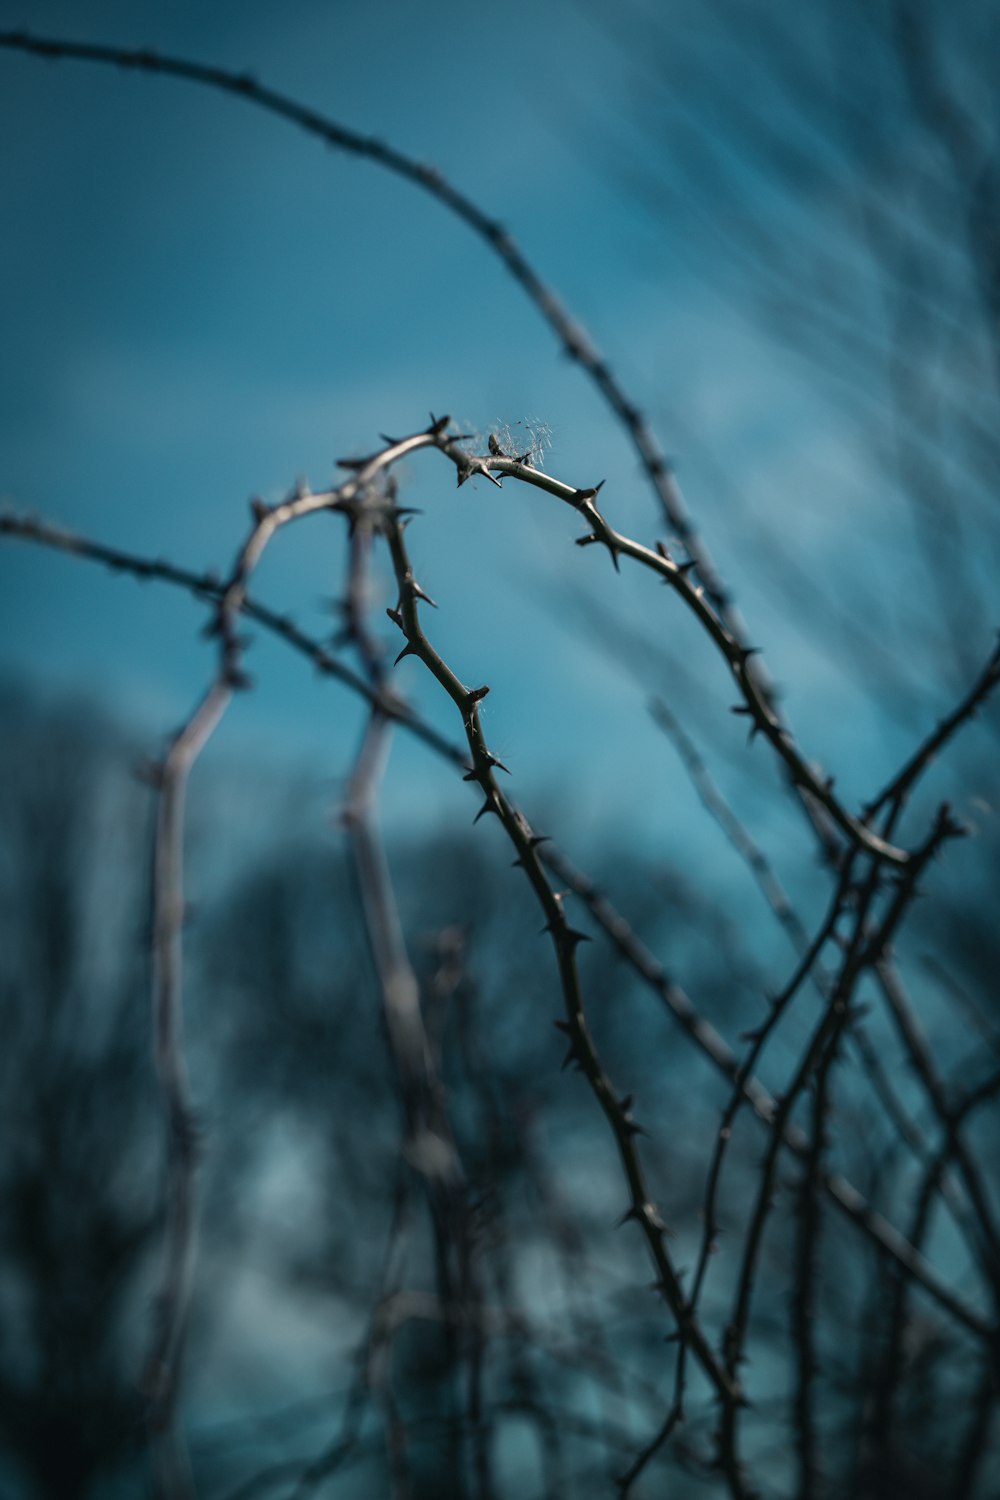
[317, 1326]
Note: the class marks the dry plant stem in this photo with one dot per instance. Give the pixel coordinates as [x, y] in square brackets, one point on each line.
[777, 899]
[171, 1473]
[920, 1058]
[565, 939]
[651, 971]
[209, 587]
[269, 519]
[569, 333]
[844, 1195]
[430, 1148]
[745, 1072]
[864, 952]
[975, 1446]
[163, 1371]
[731, 1464]
[448, 988]
[738, 657]
[895, 1342]
[673, 1419]
[899, 788]
[810, 1215]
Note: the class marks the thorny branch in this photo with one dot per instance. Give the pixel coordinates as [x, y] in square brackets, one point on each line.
[845, 1196]
[748, 670]
[565, 939]
[876, 883]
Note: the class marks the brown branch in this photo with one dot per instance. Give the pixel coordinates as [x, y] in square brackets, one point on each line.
[162, 1378]
[777, 899]
[864, 951]
[571, 336]
[209, 587]
[847, 1198]
[575, 342]
[565, 939]
[738, 657]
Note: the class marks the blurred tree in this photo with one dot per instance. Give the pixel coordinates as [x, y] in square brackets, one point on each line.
[78, 1137]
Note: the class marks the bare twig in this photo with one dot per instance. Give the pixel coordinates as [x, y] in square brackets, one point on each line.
[565, 939]
[848, 1199]
[162, 1378]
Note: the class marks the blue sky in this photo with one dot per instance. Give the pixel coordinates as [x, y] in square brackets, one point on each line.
[200, 304]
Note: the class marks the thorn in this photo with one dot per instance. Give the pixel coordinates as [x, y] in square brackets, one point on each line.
[495, 447]
[350, 463]
[418, 593]
[259, 509]
[473, 466]
[439, 425]
[586, 541]
[488, 806]
[474, 696]
[407, 650]
[741, 708]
